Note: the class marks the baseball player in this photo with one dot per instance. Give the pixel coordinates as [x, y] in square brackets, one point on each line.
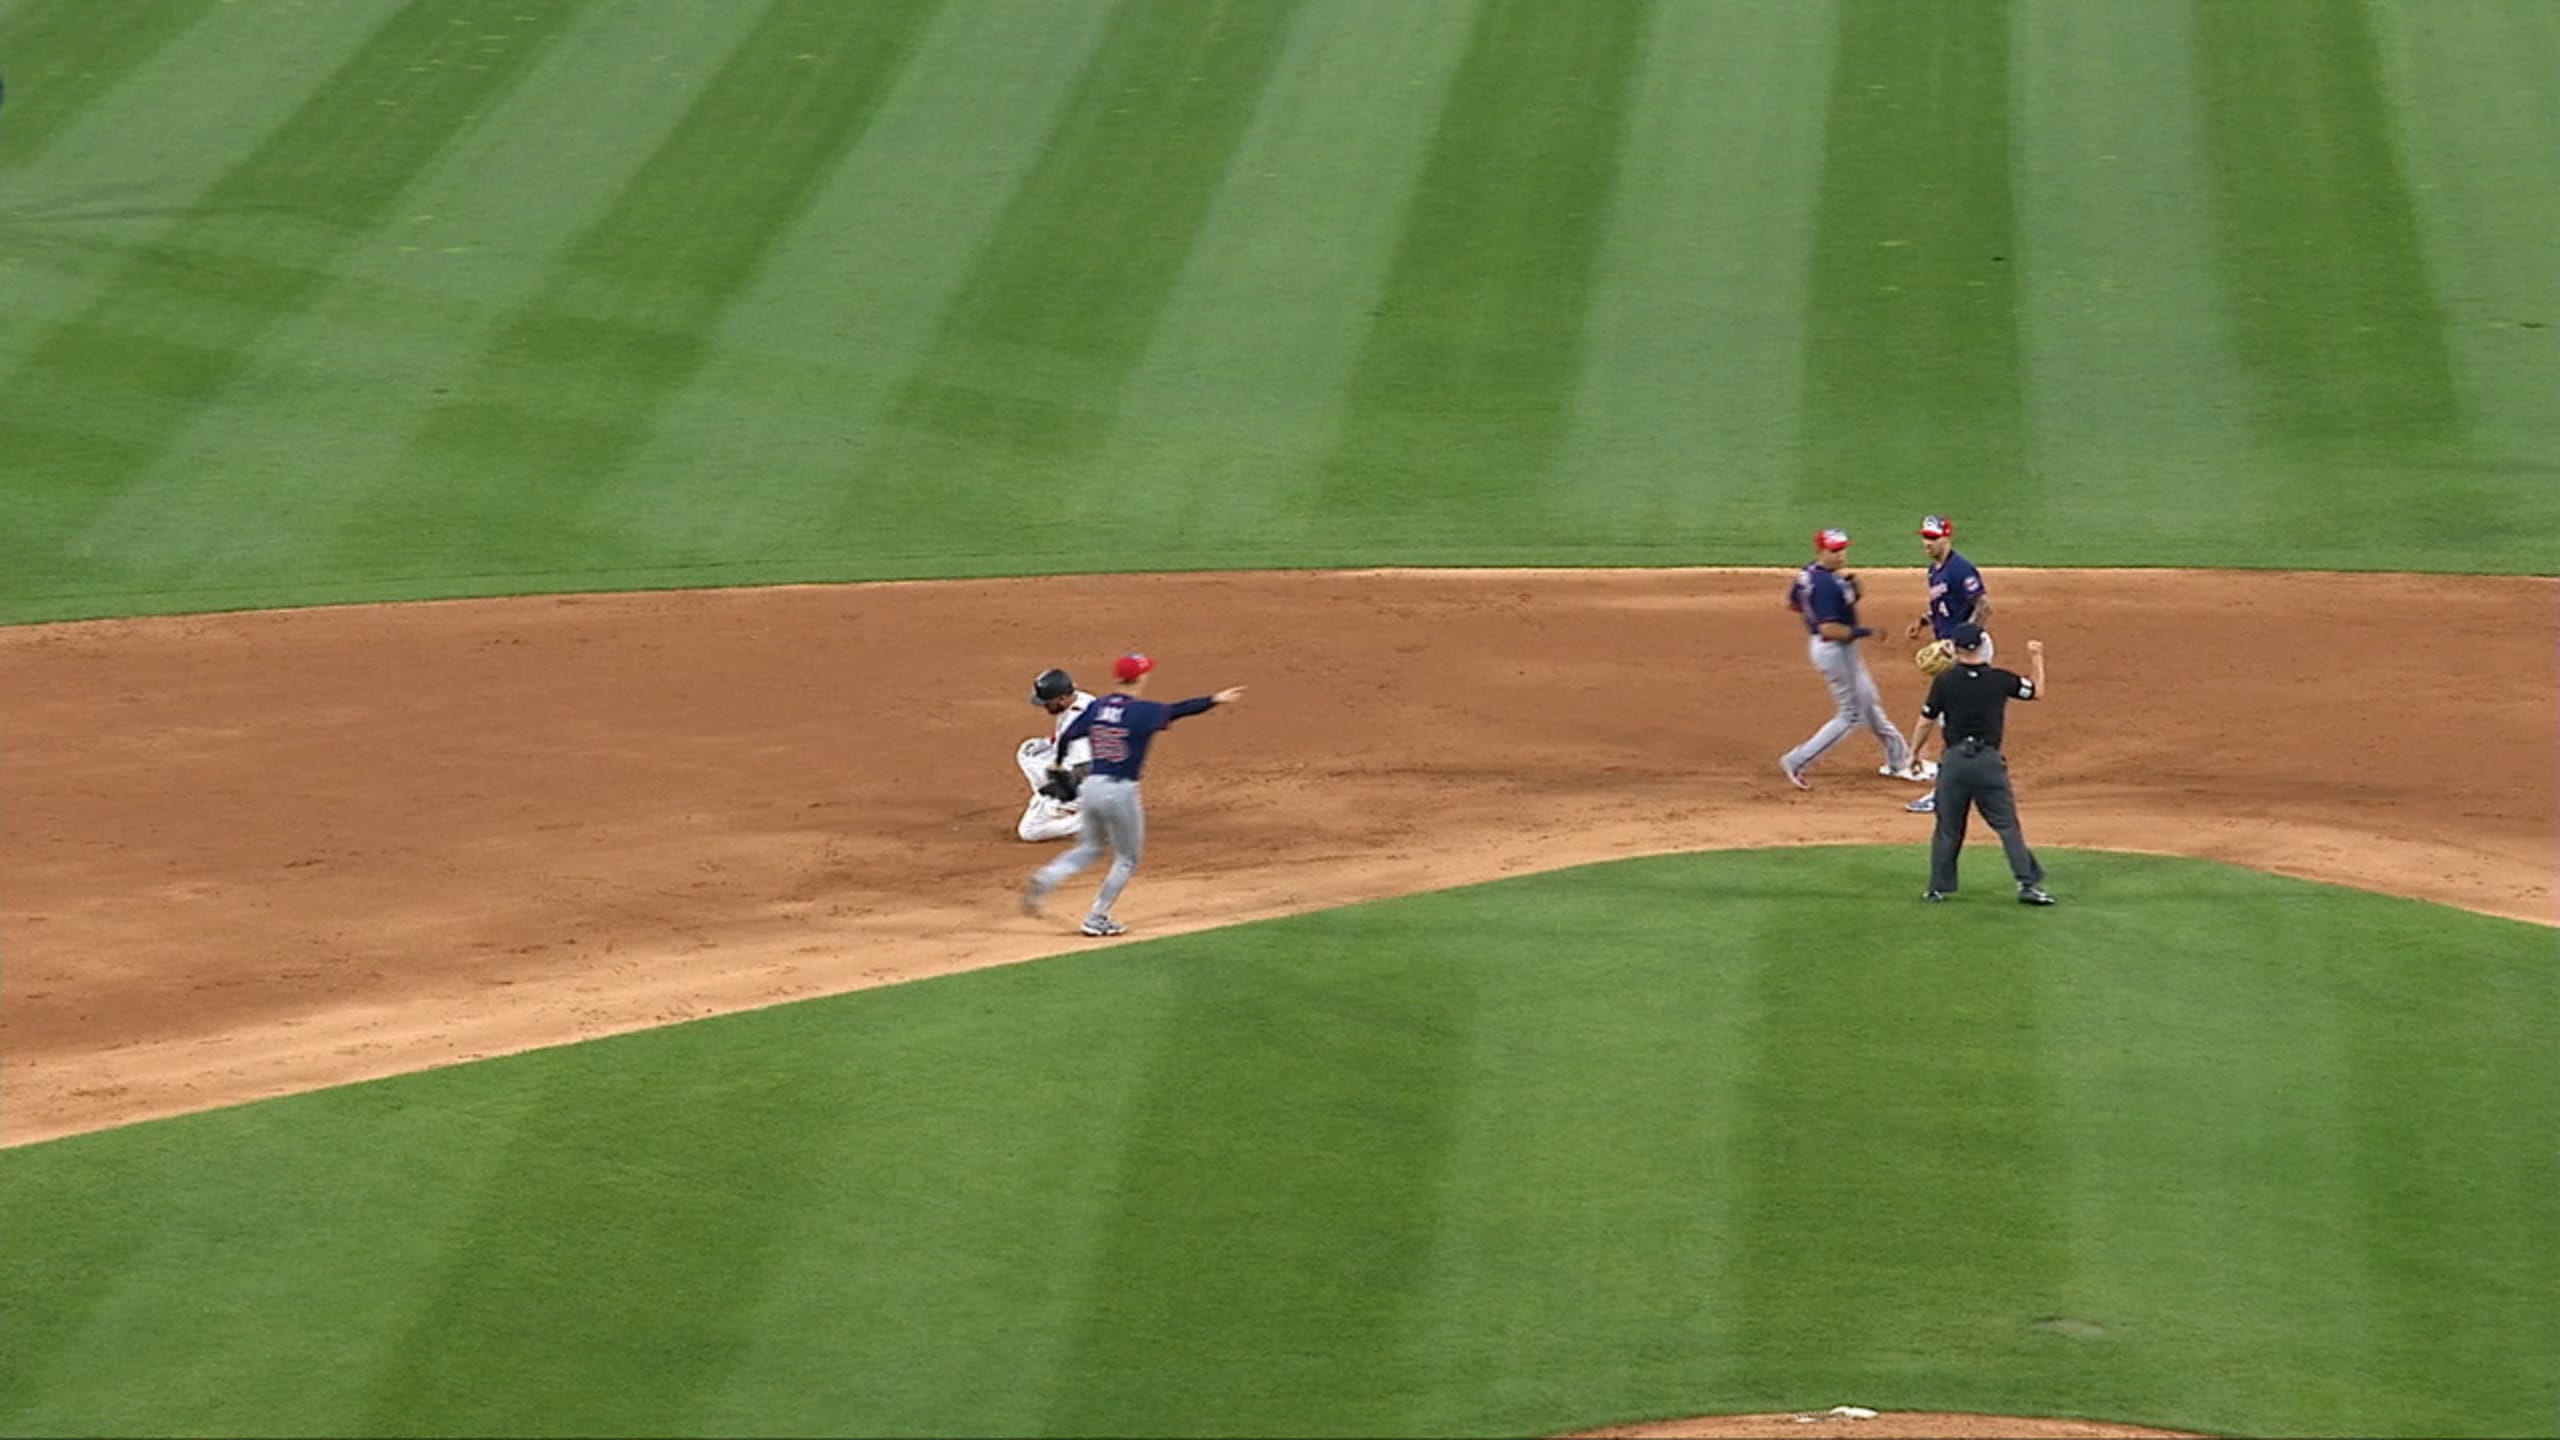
[1971, 698]
[1956, 596]
[1825, 598]
[1049, 817]
[1120, 726]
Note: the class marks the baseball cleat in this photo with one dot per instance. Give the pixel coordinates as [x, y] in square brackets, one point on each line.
[1031, 898]
[1104, 925]
[2033, 895]
[1925, 805]
[1934, 897]
[1794, 776]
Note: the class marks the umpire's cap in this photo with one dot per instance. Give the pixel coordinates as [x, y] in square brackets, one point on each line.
[1967, 636]
[1052, 685]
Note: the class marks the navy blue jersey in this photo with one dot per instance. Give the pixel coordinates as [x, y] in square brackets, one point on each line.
[1955, 587]
[1121, 727]
[1818, 596]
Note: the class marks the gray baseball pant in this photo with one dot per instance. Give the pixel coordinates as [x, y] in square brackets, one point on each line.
[1114, 821]
[1859, 706]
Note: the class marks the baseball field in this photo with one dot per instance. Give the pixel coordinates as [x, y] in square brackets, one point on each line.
[526, 528]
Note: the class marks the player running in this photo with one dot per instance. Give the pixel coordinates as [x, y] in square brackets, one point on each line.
[1120, 726]
[1048, 817]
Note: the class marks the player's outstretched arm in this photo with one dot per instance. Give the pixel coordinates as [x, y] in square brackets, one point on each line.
[1200, 704]
[2035, 664]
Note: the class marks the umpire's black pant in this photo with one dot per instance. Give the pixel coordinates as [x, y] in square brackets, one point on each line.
[1972, 774]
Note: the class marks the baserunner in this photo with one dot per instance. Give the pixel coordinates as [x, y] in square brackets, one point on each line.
[1825, 597]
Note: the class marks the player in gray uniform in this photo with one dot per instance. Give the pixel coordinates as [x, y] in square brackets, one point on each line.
[1827, 602]
[1122, 726]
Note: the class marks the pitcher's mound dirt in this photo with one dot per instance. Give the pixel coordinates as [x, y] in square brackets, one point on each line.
[258, 853]
[1890, 1425]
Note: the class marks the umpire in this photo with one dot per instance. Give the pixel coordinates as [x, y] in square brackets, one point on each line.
[1971, 699]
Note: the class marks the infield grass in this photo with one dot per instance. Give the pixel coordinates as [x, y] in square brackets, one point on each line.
[1747, 1131]
[381, 299]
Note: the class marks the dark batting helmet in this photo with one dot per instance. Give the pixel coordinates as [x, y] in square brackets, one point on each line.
[1052, 685]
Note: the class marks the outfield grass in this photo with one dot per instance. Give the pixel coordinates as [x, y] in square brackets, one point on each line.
[1713, 1132]
[400, 298]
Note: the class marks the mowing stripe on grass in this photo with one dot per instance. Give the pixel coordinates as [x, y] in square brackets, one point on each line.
[648, 1240]
[1912, 365]
[1684, 419]
[1972, 1200]
[2443, 1312]
[2190, 1184]
[1026, 372]
[576, 379]
[970, 1164]
[73, 218]
[1465, 384]
[1534, 1271]
[1320, 1185]
[305, 1311]
[1240, 393]
[64, 54]
[79, 1283]
[2130, 366]
[2322, 270]
[2477, 106]
[105, 394]
[751, 458]
[312, 432]
[1704, 1132]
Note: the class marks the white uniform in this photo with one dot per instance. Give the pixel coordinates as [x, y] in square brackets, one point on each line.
[1044, 818]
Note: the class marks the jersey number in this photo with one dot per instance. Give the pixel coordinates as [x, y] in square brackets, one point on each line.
[1110, 743]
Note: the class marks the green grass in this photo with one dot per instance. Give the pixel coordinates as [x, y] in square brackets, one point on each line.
[1698, 1133]
[403, 298]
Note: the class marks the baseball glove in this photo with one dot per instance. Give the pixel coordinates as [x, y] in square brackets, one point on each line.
[1935, 657]
[1062, 784]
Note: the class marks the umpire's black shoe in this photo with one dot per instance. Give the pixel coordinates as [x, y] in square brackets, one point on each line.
[1934, 897]
[2033, 895]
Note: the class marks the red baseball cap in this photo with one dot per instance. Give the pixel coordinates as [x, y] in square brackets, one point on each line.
[1830, 539]
[1130, 667]
[1936, 527]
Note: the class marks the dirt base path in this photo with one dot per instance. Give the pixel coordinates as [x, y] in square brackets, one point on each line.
[247, 855]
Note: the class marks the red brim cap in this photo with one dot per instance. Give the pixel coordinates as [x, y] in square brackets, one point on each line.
[1937, 527]
[1130, 667]
[1831, 539]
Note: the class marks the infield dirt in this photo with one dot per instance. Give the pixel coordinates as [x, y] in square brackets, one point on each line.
[259, 853]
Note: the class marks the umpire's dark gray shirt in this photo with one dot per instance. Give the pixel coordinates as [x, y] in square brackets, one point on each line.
[1971, 701]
